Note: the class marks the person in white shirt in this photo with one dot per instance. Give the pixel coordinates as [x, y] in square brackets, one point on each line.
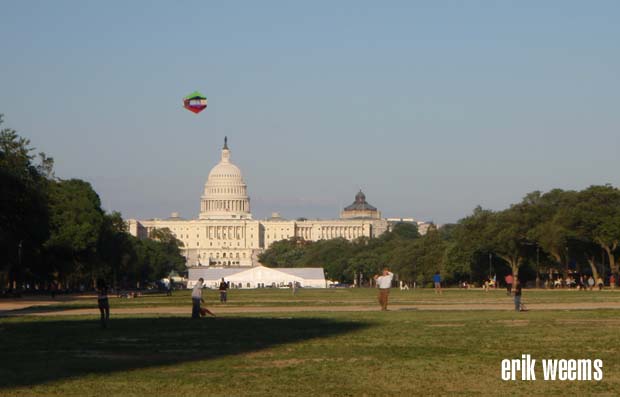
[384, 282]
[197, 299]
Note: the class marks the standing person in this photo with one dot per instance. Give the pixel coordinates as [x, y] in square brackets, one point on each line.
[170, 287]
[197, 298]
[437, 281]
[223, 288]
[591, 283]
[509, 279]
[518, 296]
[384, 282]
[103, 303]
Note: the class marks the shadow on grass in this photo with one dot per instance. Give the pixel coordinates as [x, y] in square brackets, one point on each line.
[38, 351]
[45, 309]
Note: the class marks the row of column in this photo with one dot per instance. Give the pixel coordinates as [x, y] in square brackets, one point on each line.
[226, 232]
[348, 232]
[227, 190]
[236, 255]
[225, 205]
[305, 233]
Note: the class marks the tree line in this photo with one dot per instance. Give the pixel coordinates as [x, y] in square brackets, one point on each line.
[545, 236]
[54, 233]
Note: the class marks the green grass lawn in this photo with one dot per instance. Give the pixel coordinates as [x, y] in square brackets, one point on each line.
[318, 353]
[344, 297]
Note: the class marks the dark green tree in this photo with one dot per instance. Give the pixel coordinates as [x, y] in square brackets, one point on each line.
[23, 210]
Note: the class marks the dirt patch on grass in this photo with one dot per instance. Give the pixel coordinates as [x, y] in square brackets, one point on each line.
[448, 325]
[586, 321]
[513, 323]
[185, 310]
[258, 354]
[288, 363]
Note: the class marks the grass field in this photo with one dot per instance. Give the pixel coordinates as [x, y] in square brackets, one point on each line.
[342, 297]
[403, 352]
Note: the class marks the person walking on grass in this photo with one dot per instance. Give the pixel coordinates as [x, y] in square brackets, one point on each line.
[437, 281]
[384, 283]
[197, 299]
[103, 302]
[518, 305]
[170, 287]
[223, 293]
[508, 279]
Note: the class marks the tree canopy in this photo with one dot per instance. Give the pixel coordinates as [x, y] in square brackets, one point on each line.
[54, 231]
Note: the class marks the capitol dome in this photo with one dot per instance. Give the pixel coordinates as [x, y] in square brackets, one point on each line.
[225, 193]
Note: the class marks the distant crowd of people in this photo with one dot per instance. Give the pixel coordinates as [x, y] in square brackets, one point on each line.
[580, 282]
[383, 283]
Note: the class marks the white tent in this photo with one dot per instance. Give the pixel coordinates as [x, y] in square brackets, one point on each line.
[258, 277]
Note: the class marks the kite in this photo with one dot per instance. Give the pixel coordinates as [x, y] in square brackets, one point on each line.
[195, 102]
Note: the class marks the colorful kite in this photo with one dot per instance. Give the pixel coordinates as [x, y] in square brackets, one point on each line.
[195, 102]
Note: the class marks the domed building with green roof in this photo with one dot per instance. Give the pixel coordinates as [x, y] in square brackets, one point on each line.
[360, 209]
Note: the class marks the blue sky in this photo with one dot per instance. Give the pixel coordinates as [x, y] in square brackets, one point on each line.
[431, 107]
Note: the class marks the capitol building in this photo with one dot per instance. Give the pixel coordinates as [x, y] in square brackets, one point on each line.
[226, 235]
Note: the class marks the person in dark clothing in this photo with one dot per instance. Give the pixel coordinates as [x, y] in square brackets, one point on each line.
[517, 289]
[223, 291]
[508, 279]
[104, 304]
[170, 287]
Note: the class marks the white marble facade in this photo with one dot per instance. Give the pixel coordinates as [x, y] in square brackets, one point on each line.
[225, 233]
